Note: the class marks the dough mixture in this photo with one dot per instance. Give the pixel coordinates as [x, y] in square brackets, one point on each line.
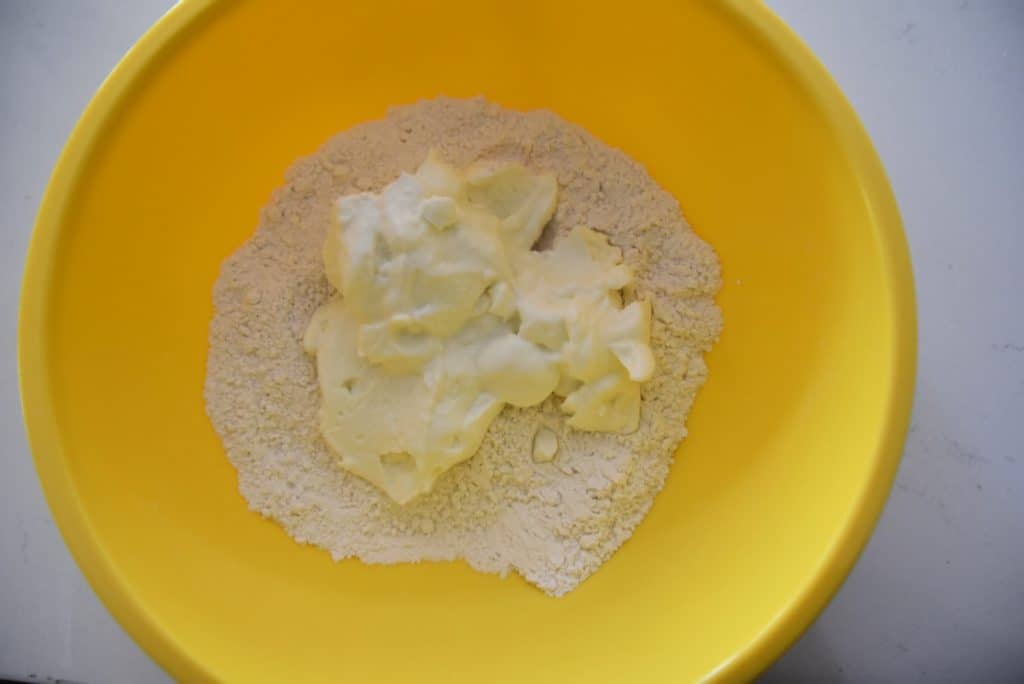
[539, 497]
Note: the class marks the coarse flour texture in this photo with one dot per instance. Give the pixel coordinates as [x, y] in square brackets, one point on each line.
[554, 522]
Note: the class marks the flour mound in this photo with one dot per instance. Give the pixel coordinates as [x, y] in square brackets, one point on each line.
[554, 523]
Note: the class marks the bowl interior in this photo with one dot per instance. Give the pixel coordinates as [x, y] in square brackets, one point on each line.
[792, 442]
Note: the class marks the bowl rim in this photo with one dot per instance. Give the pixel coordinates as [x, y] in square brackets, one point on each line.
[116, 591]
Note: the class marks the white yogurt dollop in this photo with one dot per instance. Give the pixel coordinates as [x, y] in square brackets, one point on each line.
[444, 314]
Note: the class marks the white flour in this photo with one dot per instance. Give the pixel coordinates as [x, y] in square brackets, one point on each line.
[553, 522]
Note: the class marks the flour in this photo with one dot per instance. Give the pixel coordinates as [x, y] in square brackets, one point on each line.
[552, 521]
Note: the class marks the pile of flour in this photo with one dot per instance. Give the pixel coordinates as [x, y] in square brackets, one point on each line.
[554, 523]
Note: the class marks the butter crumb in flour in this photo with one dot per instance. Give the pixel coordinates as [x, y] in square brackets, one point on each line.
[545, 445]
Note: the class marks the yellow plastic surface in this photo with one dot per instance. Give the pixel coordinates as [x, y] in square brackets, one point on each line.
[794, 440]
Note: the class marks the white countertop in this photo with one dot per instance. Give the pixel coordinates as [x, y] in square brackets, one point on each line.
[938, 596]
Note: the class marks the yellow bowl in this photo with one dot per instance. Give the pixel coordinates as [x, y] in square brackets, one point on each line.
[794, 440]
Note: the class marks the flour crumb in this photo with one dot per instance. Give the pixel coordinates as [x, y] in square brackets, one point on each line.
[553, 521]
